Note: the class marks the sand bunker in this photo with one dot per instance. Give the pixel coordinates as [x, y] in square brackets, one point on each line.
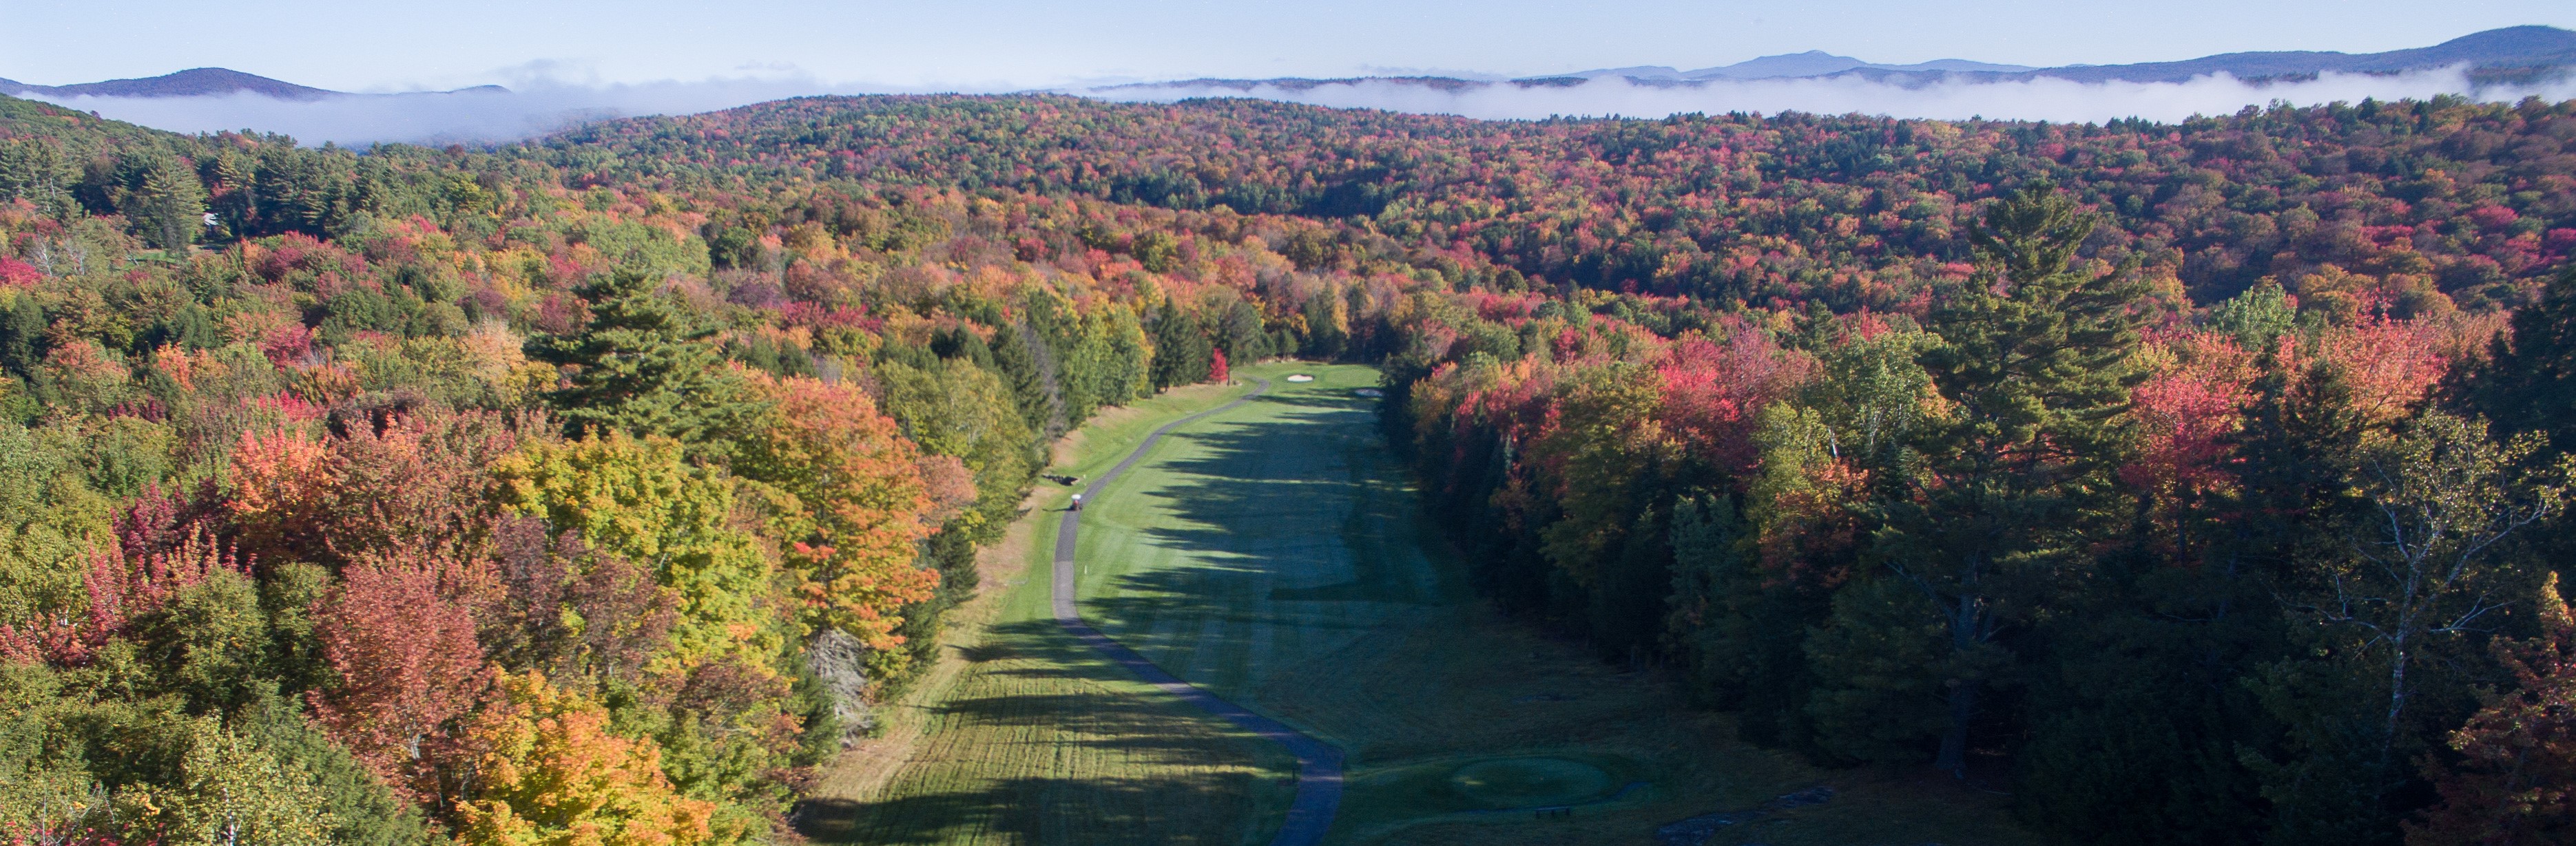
[1301, 377]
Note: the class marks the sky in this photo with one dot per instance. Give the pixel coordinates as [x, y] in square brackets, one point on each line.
[988, 45]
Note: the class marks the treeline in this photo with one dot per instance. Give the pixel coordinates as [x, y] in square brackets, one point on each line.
[422, 495]
[2276, 570]
[2473, 201]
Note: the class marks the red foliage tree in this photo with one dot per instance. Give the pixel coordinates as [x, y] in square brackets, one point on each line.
[410, 474]
[2185, 414]
[18, 274]
[569, 610]
[404, 647]
[1712, 391]
[1217, 371]
[119, 588]
[385, 477]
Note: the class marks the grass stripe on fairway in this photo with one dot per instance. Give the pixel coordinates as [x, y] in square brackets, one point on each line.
[1319, 764]
[1038, 741]
[1274, 554]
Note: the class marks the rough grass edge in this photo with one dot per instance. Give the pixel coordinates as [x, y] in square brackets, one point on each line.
[862, 771]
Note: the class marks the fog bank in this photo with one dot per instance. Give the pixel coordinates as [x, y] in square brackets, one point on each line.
[540, 107]
[2033, 99]
[466, 117]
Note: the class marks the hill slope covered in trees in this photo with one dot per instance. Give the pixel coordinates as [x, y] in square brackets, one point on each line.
[2197, 483]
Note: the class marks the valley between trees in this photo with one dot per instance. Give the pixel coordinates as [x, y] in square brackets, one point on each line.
[1275, 554]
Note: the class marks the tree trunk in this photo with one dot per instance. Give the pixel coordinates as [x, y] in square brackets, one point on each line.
[1954, 741]
[1964, 623]
[2396, 704]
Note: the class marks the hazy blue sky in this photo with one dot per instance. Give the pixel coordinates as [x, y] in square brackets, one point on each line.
[987, 44]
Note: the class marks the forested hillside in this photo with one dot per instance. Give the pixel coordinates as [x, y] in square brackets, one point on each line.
[2195, 483]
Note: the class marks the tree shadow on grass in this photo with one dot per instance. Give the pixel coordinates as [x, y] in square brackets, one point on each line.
[1338, 399]
[1044, 811]
[1277, 518]
[1110, 741]
[1298, 513]
[1296, 498]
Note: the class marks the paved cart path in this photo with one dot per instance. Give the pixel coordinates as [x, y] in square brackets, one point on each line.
[1319, 764]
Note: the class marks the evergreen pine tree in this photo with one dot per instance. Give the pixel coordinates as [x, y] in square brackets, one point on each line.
[644, 366]
[2528, 381]
[2033, 362]
[2528, 384]
[1022, 360]
[1180, 347]
[34, 171]
[22, 336]
[1238, 332]
[166, 205]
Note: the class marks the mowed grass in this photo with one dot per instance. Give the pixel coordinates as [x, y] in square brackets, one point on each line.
[1275, 554]
[1032, 739]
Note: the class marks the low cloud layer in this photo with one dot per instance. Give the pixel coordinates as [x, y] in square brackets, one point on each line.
[2035, 99]
[539, 107]
[471, 116]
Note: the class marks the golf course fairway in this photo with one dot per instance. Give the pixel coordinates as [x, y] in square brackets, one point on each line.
[1272, 554]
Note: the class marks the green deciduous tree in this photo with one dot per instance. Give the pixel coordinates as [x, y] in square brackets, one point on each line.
[2429, 562]
[641, 501]
[230, 790]
[957, 409]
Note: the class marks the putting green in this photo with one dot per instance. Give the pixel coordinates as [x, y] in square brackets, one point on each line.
[1531, 782]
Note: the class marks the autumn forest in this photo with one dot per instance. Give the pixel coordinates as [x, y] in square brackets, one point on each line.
[2189, 483]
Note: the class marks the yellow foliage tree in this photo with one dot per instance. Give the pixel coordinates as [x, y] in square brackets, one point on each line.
[643, 501]
[551, 774]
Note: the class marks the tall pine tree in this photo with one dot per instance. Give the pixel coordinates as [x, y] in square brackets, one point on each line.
[1181, 347]
[2033, 364]
[2528, 384]
[644, 366]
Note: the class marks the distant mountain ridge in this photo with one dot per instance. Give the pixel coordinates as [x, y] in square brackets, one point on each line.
[1810, 63]
[2507, 53]
[198, 82]
[2517, 49]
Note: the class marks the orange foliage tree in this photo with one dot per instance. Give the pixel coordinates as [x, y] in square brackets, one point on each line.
[854, 503]
[550, 773]
[278, 492]
[384, 477]
[2516, 784]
